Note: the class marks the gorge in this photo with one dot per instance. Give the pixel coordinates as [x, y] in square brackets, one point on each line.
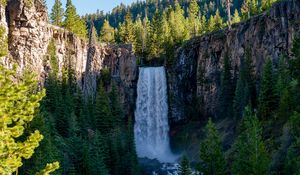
[105, 108]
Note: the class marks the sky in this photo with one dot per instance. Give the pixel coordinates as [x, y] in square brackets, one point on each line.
[90, 6]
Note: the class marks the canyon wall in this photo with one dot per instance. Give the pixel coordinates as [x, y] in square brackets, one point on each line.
[29, 34]
[194, 79]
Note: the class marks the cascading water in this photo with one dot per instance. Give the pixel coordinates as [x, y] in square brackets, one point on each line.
[151, 127]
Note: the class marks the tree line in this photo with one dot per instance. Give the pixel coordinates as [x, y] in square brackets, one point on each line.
[155, 31]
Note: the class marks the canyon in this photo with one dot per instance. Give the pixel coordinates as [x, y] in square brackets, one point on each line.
[197, 66]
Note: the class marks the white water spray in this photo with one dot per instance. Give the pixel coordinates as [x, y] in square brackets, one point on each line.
[151, 127]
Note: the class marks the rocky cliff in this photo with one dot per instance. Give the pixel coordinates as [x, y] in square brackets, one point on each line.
[30, 33]
[194, 79]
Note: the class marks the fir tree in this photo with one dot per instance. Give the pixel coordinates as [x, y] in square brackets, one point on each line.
[107, 33]
[193, 17]
[251, 156]
[57, 13]
[227, 89]
[211, 152]
[116, 108]
[19, 99]
[128, 36]
[102, 111]
[267, 96]
[185, 168]
[236, 17]
[73, 22]
[245, 92]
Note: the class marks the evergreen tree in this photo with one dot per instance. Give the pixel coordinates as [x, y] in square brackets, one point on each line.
[128, 36]
[185, 168]
[57, 13]
[219, 24]
[154, 42]
[236, 17]
[211, 24]
[267, 96]
[73, 22]
[245, 92]
[107, 33]
[102, 111]
[116, 108]
[292, 164]
[226, 89]
[140, 38]
[96, 155]
[211, 152]
[178, 24]
[251, 156]
[193, 17]
[19, 99]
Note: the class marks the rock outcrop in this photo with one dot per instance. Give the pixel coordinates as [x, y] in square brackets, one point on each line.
[198, 64]
[30, 33]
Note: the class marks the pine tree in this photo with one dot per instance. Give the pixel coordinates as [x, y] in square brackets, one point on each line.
[251, 156]
[245, 92]
[102, 111]
[19, 99]
[131, 155]
[226, 89]
[203, 25]
[236, 17]
[139, 36]
[185, 168]
[154, 42]
[211, 152]
[116, 108]
[107, 33]
[178, 24]
[57, 13]
[128, 36]
[267, 96]
[219, 24]
[211, 24]
[73, 22]
[193, 12]
[292, 164]
[96, 155]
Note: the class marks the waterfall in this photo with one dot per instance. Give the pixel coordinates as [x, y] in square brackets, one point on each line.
[151, 127]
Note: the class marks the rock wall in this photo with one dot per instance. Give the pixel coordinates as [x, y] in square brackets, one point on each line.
[30, 33]
[198, 64]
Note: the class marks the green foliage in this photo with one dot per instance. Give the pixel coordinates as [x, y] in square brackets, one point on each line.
[3, 42]
[193, 12]
[185, 168]
[19, 99]
[3, 2]
[107, 33]
[250, 156]
[292, 165]
[103, 116]
[267, 95]
[73, 22]
[236, 17]
[211, 154]
[49, 169]
[57, 13]
[245, 92]
[226, 90]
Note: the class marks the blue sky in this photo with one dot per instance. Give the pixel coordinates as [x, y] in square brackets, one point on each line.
[91, 6]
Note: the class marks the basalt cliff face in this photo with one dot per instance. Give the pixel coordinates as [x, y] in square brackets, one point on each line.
[29, 34]
[194, 79]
